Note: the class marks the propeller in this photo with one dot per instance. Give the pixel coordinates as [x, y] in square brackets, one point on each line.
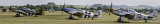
[63, 7]
[10, 9]
[110, 9]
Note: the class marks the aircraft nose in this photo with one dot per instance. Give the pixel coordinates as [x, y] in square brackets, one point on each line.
[111, 10]
[62, 8]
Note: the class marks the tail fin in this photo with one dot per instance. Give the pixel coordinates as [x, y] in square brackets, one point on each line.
[154, 14]
[99, 13]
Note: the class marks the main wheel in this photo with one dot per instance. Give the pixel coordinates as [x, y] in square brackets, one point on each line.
[119, 20]
[71, 18]
[17, 15]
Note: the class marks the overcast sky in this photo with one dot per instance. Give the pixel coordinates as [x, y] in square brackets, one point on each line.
[154, 3]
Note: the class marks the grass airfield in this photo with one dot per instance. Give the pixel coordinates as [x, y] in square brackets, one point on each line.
[59, 18]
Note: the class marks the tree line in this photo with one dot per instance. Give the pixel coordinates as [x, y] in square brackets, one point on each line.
[51, 5]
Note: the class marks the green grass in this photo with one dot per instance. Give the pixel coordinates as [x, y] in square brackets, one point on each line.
[59, 18]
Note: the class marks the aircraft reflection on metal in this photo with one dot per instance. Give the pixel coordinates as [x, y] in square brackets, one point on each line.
[81, 13]
[131, 14]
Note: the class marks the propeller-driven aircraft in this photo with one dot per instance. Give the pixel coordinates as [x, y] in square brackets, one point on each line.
[131, 14]
[51, 10]
[81, 13]
[27, 12]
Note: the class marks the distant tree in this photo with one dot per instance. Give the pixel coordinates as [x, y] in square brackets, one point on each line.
[159, 10]
[71, 6]
[56, 8]
[91, 8]
[31, 6]
[68, 6]
[50, 5]
[85, 8]
[100, 8]
[105, 7]
[138, 10]
[145, 9]
[151, 10]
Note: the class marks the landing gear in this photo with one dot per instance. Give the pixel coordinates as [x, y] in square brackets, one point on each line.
[85, 16]
[92, 18]
[72, 18]
[17, 15]
[121, 20]
[146, 21]
[36, 16]
[88, 17]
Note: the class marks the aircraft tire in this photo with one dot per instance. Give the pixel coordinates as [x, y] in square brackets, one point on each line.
[71, 18]
[17, 15]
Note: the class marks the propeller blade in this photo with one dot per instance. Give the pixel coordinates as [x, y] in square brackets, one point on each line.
[109, 13]
[10, 9]
[111, 5]
[110, 9]
[62, 12]
[63, 7]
